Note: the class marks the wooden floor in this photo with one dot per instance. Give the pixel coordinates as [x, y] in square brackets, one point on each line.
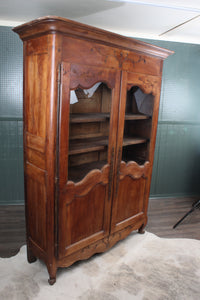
[162, 215]
[12, 229]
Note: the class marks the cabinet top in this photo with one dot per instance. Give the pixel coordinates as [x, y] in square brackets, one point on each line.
[54, 24]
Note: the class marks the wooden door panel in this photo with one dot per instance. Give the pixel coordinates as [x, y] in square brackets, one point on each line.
[82, 220]
[130, 193]
[84, 212]
[130, 198]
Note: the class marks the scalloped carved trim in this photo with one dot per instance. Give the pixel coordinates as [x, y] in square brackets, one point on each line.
[148, 84]
[85, 253]
[134, 170]
[87, 76]
[83, 187]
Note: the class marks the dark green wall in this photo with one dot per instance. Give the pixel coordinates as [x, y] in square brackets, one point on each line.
[176, 169]
[11, 125]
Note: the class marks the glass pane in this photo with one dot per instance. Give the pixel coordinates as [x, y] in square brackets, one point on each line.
[137, 126]
[89, 130]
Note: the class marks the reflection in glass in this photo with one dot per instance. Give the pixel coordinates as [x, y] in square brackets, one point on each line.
[137, 126]
[89, 130]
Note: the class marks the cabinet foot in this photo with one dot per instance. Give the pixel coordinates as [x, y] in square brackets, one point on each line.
[141, 229]
[30, 257]
[52, 269]
[51, 281]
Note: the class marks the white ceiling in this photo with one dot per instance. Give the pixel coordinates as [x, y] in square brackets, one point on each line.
[173, 20]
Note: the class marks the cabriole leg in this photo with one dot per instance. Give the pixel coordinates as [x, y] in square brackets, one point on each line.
[141, 229]
[30, 257]
[52, 269]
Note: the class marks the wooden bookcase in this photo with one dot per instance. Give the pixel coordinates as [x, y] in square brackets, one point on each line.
[91, 101]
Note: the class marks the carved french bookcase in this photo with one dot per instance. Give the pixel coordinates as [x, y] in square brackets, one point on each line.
[91, 101]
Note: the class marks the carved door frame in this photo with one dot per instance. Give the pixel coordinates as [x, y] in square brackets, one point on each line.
[150, 85]
[73, 76]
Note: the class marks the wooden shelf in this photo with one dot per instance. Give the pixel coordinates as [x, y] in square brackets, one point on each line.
[86, 136]
[98, 144]
[88, 145]
[133, 141]
[89, 117]
[102, 117]
[136, 117]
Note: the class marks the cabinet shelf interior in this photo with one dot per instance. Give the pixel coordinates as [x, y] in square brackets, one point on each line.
[137, 125]
[88, 130]
[90, 127]
[101, 117]
[88, 117]
[76, 173]
[87, 145]
[94, 144]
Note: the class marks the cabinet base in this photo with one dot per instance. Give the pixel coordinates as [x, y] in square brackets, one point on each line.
[85, 253]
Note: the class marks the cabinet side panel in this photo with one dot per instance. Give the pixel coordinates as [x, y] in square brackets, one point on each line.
[36, 201]
[35, 107]
[36, 88]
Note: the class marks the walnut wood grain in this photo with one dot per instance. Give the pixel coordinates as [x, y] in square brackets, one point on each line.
[35, 142]
[79, 200]
[148, 84]
[112, 57]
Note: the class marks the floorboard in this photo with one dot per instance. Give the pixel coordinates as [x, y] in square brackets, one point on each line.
[162, 215]
[12, 229]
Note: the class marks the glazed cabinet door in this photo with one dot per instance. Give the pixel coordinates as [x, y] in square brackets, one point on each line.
[139, 103]
[88, 116]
